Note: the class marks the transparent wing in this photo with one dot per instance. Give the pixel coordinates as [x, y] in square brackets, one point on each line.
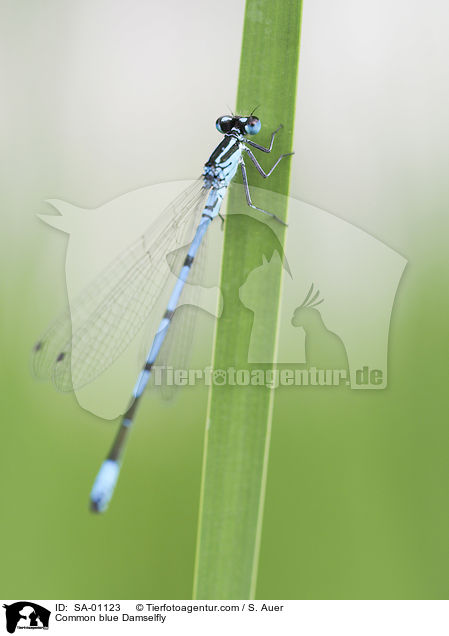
[177, 347]
[113, 308]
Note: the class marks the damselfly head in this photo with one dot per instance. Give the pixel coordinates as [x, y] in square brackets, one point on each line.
[244, 125]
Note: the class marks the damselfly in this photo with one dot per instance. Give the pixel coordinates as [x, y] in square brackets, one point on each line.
[110, 312]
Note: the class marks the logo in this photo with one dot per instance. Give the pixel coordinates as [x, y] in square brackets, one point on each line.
[26, 615]
[339, 286]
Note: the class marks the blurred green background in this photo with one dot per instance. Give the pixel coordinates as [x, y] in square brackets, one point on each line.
[357, 492]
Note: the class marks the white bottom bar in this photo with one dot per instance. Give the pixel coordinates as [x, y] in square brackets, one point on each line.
[308, 618]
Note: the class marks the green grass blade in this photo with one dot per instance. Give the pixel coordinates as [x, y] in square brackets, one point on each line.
[238, 432]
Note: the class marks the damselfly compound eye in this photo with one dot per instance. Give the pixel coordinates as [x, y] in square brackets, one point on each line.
[252, 126]
[224, 124]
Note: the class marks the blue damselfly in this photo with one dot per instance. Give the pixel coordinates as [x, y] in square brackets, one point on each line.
[111, 310]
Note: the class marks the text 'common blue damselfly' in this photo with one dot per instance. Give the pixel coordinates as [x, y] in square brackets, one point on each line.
[111, 310]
